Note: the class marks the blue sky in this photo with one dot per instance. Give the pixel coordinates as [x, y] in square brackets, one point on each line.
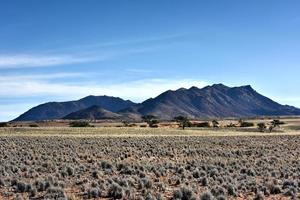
[63, 50]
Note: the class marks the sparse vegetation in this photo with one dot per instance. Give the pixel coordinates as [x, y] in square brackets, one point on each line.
[100, 163]
[184, 121]
[245, 124]
[33, 125]
[3, 124]
[151, 120]
[275, 124]
[215, 123]
[262, 126]
[80, 124]
[202, 124]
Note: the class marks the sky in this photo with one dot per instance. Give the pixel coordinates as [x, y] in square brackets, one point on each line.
[59, 50]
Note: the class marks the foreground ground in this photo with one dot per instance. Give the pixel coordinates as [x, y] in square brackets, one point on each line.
[137, 163]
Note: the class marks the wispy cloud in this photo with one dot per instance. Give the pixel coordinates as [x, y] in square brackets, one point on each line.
[41, 85]
[144, 41]
[21, 61]
[84, 52]
[26, 86]
[31, 77]
[36, 60]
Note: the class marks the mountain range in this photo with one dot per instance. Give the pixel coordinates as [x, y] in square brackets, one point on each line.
[216, 101]
[58, 110]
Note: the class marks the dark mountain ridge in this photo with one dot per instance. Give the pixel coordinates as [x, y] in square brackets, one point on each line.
[57, 110]
[210, 102]
[216, 101]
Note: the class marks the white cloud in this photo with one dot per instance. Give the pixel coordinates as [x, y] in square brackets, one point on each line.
[135, 90]
[31, 77]
[21, 61]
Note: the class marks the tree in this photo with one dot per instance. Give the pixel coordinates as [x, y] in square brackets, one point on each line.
[151, 120]
[184, 121]
[80, 124]
[215, 123]
[275, 123]
[125, 123]
[261, 127]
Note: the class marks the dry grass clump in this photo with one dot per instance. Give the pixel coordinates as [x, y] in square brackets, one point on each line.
[186, 168]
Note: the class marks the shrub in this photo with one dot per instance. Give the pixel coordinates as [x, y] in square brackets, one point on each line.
[151, 120]
[177, 194]
[93, 193]
[70, 171]
[95, 174]
[40, 185]
[55, 193]
[203, 125]
[230, 125]
[246, 124]
[32, 192]
[231, 190]
[132, 125]
[184, 194]
[184, 121]
[187, 194]
[147, 183]
[154, 126]
[80, 124]
[115, 191]
[3, 124]
[105, 165]
[277, 122]
[206, 196]
[291, 191]
[204, 181]
[33, 125]
[275, 189]
[261, 127]
[218, 191]
[259, 196]
[21, 187]
[196, 174]
[215, 123]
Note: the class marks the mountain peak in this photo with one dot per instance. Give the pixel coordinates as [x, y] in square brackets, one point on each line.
[220, 86]
[193, 88]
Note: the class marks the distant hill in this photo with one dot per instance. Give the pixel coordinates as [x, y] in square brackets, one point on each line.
[58, 110]
[93, 113]
[210, 102]
[214, 101]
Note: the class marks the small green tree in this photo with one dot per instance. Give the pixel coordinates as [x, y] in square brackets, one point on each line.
[151, 120]
[261, 127]
[184, 121]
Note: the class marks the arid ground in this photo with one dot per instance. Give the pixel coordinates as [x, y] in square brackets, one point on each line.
[149, 163]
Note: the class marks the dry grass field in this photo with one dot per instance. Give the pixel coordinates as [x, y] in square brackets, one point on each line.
[149, 163]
